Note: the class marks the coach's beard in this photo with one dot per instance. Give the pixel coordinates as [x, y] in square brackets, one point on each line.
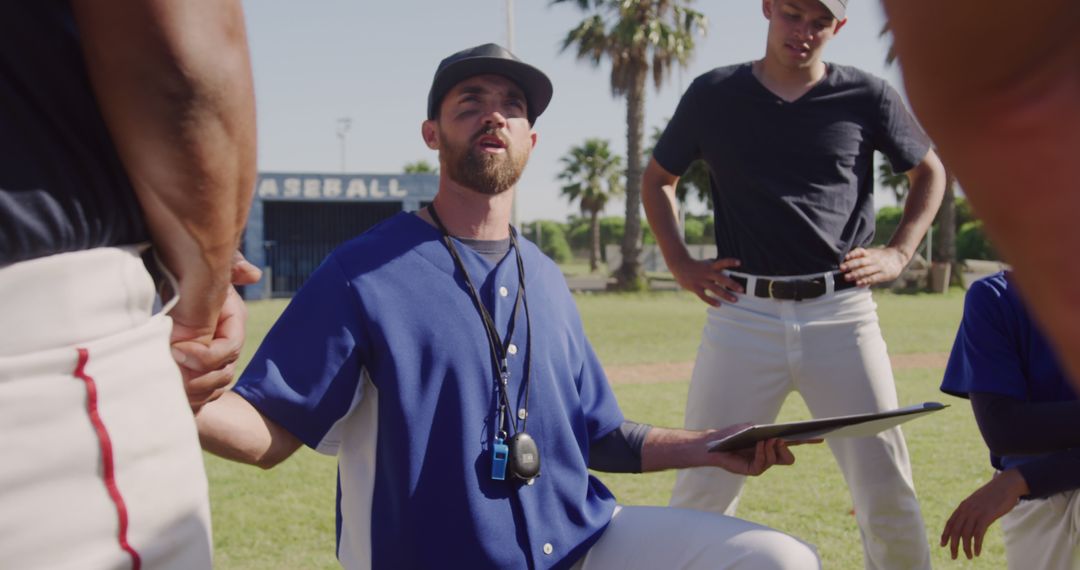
[484, 172]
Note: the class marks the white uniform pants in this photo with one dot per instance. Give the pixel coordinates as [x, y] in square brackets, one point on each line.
[1044, 534]
[754, 352]
[652, 538]
[100, 465]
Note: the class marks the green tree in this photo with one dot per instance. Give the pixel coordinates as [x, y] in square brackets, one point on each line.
[420, 167]
[592, 175]
[898, 182]
[550, 237]
[887, 219]
[971, 242]
[636, 36]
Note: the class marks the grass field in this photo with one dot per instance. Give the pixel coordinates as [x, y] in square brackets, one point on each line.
[284, 518]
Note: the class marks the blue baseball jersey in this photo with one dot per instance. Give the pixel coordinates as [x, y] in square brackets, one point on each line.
[1000, 350]
[382, 359]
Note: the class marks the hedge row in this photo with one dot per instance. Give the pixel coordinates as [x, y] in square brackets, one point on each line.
[562, 241]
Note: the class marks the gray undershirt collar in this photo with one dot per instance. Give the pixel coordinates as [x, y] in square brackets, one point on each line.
[492, 250]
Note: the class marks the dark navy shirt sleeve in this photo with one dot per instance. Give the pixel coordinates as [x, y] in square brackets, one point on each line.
[679, 145]
[1056, 473]
[1011, 426]
[985, 356]
[306, 374]
[899, 137]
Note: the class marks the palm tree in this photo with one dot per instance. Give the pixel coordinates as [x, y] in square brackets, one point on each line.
[592, 175]
[898, 182]
[637, 36]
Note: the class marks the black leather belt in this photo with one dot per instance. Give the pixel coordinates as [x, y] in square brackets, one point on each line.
[793, 289]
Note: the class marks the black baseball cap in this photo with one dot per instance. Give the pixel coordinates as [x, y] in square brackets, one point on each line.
[490, 59]
[837, 7]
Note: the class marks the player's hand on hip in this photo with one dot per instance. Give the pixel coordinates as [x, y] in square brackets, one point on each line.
[707, 279]
[243, 272]
[870, 266]
[974, 515]
[208, 369]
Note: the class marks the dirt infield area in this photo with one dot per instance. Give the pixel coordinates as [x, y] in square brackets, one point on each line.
[680, 371]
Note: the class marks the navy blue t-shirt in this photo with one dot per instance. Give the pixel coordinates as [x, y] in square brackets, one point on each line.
[792, 182]
[62, 186]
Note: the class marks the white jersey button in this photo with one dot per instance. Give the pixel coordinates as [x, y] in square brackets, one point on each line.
[512, 349]
[548, 549]
[503, 291]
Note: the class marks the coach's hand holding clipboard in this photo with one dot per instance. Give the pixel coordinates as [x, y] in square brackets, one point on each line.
[858, 425]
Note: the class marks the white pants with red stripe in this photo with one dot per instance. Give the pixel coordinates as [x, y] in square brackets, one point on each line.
[100, 465]
[754, 353]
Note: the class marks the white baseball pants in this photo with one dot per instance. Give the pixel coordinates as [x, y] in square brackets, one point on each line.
[100, 465]
[1044, 534]
[753, 353]
[650, 538]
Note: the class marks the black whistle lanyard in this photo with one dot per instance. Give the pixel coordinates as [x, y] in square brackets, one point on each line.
[499, 349]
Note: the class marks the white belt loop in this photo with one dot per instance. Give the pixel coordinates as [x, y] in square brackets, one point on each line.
[751, 281]
[830, 283]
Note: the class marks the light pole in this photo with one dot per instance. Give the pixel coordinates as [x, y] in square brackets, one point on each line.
[343, 126]
[510, 46]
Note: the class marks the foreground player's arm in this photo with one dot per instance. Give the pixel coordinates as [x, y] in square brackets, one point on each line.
[869, 266]
[1004, 115]
[173, 80]
[232, 428]
[706, 279]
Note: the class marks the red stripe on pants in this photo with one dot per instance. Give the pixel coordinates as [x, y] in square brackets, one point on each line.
[106, 456]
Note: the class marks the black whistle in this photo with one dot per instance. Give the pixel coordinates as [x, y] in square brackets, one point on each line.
[524, 456]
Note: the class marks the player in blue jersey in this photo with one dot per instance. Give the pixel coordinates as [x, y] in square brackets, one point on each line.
[1029, 416]
[441, 357]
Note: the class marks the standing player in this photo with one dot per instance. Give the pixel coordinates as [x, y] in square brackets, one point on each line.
[121, 123]
[441, 358]
[789, 141]
[1029, 416]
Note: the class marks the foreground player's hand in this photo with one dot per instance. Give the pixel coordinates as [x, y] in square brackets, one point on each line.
[208, 369]
[707, 279]
[870, 266]
[976, 513]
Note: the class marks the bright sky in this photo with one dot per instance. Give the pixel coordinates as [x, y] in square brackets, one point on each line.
[372, 62]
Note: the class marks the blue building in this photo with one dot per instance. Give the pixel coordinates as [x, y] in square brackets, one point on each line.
[297, 219]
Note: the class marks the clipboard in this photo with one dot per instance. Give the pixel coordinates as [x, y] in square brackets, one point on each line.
[857, 425]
